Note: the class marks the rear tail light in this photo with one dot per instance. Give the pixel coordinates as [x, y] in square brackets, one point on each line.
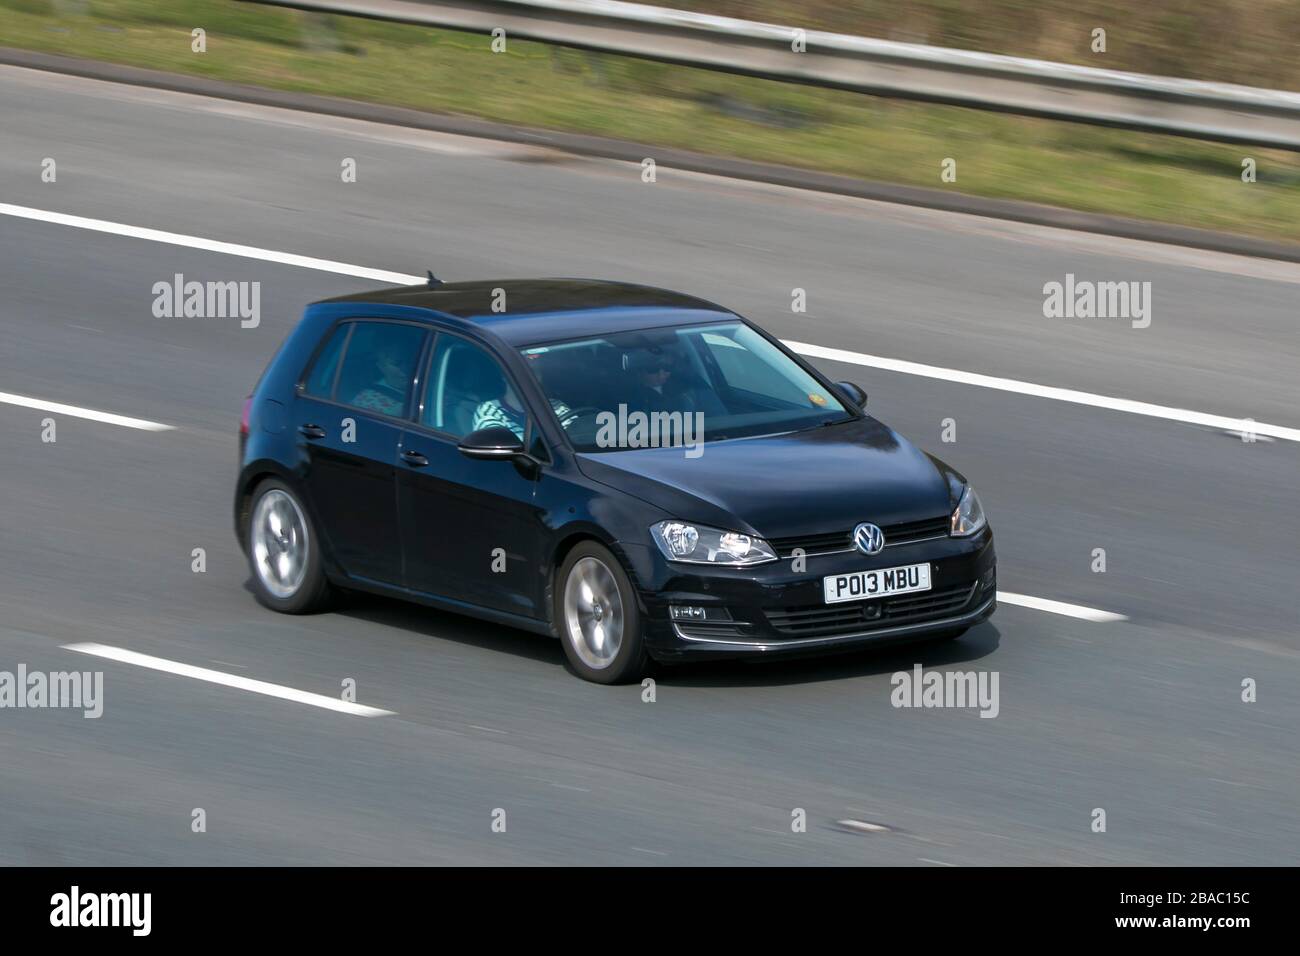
[243, 418]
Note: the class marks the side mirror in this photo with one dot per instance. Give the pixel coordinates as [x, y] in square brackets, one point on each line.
[854, 394]
[496, 442]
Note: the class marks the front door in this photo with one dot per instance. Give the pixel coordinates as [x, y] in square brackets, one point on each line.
[471, 529]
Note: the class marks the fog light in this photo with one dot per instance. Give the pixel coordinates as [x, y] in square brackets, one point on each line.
[696, 613]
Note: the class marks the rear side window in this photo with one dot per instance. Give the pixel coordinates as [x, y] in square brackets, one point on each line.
[320, 380]
[378, 365]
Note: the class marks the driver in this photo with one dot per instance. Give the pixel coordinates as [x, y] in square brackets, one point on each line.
[651, 371]
[653, 387]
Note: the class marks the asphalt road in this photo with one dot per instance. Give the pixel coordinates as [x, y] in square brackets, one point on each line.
[1141, 717]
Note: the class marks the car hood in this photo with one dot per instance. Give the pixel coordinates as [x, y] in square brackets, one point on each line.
[811, 482]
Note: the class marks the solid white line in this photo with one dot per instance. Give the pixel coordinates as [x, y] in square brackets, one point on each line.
[813, 351]
[1046, 391]
[1059, 607]
[226, 680]
[207, 245]
[89, 413]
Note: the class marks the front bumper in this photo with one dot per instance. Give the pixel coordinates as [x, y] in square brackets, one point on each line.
[774, 610]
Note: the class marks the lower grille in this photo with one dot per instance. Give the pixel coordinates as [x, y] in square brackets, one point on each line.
[711, 632]
[828, 620]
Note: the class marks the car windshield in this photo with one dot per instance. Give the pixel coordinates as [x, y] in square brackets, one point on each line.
[677, 386]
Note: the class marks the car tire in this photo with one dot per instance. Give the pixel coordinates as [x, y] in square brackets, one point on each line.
[284, 553]
[597, 617]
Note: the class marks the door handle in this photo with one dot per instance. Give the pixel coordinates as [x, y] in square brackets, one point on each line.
[312, 431]
[414, 459]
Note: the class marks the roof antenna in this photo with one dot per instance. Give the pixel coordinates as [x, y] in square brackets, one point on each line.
[433, 280]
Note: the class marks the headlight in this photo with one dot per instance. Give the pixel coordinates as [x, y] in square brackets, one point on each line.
[969, 516]
[696, 544]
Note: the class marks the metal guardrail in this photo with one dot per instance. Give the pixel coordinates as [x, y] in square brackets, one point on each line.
[1213, 111]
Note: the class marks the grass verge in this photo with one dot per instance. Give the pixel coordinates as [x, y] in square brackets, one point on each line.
[1160, 178]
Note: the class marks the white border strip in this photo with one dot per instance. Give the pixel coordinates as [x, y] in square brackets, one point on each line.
[226, 680]
[1060, 607]
[89, 413]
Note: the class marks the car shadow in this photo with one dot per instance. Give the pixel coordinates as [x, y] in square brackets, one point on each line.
[441, 625]
[447, 626]
[978, 642]
[867, 661]
[433, 623]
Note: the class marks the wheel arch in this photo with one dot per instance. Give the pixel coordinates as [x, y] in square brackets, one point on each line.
[254, 474]
[564, 545]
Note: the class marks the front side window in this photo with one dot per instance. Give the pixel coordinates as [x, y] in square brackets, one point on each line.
[467, 390]
[378, 366]
[672, 386]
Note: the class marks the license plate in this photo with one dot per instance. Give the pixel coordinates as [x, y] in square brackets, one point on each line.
[865, 585]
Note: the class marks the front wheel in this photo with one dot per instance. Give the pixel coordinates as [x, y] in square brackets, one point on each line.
[598, 618]
[284, 551]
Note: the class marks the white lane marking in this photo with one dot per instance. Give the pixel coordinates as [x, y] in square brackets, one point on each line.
[207, 245]
[1059, 607]
[813, 351]
[1247, 436]
[863, 826]
[226, 680]
[1046, 391]
[88, 413]
[643, 850]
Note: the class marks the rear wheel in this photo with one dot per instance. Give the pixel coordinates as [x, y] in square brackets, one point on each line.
[284, 551]
[597, 616]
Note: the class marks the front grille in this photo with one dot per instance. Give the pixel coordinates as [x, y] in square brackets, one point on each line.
[828, 620]
[812, 544]
[917, 530]
[901, 533]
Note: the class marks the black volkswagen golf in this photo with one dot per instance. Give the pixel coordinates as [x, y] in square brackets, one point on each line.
[637, 472]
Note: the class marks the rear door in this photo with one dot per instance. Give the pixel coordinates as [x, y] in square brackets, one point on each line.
[471, 529]
[349, 415]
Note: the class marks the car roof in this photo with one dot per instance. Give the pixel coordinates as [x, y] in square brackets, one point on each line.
[550, 310]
